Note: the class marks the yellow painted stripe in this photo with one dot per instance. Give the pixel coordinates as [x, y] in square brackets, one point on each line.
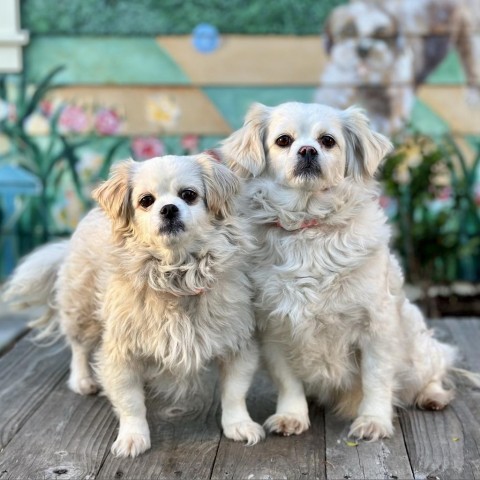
[452, 105]
[250, 60]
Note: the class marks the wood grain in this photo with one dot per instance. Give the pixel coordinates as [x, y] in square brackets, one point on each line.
[385, 459]
[67, 437]
[49, 432]
[28, 374]
[446, 444]
[185, 439]
[295, 457]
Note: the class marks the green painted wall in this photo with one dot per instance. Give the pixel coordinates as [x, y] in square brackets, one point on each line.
[99, 60]
[167, 17]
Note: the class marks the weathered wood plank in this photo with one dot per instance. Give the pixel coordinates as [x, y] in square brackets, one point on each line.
[28, 373]
[385, 459]
[185, 439]
[66, 438]
[446, 445]
[296, 457]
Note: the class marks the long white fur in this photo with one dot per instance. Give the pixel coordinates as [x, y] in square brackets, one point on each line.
[153, 307]
[334, 321]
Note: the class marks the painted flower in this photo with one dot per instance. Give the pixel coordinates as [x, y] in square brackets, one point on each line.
[8, 111]
[389, 205]
[4, 109]
[36, 124]
[190, 143]
[68, 211]
[476, 194]
[401, 174]
[47, 108]
[444, 193]
[147, 147]
[163, 110]
[5, 144]
[73, 119]
[12, 112]
[89, 164]
[107, 122]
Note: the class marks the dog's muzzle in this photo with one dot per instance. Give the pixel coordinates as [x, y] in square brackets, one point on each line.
[171, 223]
[307, 165]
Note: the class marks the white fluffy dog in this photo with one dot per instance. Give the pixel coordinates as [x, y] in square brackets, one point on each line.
[154, 282]
[335, 324]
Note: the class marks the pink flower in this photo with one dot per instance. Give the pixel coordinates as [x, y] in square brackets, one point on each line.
[384, 201]
[46, 107]
[147, 147]
[476, 194]
[73, 119]
[190, 143]
[12, 112]
[444, 193]
[107, 122]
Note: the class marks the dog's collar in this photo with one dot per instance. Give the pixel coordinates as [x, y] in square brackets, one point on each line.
[305, 224]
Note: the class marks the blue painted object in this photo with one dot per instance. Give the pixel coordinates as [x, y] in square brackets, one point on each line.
[14, 181]
[206, 38]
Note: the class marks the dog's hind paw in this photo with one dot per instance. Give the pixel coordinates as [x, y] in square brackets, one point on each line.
[371, 428]
[287, 424]
[248, 431]
[434, 397]
[130, 445]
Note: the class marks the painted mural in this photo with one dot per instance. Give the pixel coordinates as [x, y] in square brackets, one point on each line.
[149, 78]
[381, 52]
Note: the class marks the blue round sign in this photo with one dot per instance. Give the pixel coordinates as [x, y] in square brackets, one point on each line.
[206, 38]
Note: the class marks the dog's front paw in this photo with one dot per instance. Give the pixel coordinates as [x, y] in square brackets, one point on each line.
[130, 444]
[133, 437]
[287, 424]
[371, 428]
[82, 386]
[247, 431]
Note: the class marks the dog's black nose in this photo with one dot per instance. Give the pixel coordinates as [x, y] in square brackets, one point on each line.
[307, 152]
[169, 211]
[363, 50]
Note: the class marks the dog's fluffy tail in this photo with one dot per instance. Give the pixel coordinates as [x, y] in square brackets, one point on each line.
[33, 285]
[472, 377]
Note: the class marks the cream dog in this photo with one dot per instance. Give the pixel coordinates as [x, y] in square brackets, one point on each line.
[334, 321]
[154, 282]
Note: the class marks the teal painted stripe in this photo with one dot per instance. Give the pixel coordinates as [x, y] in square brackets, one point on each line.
[474, 141]
[449, 72]
[424, 120]
[95, 60]
[233, 103]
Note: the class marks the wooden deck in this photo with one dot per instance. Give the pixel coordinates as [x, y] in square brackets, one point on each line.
[48, 432]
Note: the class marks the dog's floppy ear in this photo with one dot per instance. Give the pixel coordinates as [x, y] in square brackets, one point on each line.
[365, 148]
[114, 194]
[221, 185]
[328, 35]
[243, 150]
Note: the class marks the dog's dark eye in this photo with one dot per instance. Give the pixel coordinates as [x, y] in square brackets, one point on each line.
[284, 141]
[327, 141]
[146, 201]
[380, 33]
[188, 196]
